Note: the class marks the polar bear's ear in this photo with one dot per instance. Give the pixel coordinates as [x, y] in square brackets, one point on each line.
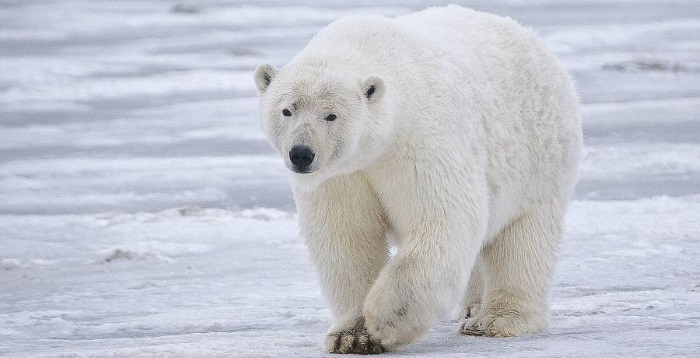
[373, 88]
[264, 75]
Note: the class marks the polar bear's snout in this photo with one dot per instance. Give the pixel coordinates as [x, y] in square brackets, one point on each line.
[301, 157]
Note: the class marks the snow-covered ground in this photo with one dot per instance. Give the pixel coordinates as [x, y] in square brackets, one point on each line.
[143, 214]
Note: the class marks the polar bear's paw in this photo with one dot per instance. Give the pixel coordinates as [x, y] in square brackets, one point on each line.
[502, 324]
[355, 341]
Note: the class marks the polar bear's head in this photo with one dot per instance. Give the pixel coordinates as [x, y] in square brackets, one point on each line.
[323, 121]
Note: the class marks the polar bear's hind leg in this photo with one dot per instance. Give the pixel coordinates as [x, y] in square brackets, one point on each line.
[518, 267]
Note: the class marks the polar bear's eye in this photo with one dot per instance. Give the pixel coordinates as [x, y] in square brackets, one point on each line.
[331, 117]
[286, 112]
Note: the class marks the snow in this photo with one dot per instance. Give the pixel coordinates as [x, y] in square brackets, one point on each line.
[142, 213]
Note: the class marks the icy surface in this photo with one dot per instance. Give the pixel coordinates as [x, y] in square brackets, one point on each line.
[142, 213]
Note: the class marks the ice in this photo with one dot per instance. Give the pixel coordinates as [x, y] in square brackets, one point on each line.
[142, 212]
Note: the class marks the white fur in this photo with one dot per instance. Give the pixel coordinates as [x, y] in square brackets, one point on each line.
[465, 155]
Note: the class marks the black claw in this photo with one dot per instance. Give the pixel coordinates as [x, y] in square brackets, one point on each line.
[472, 332]
[377, 348]
[336, 345]
[361, 343]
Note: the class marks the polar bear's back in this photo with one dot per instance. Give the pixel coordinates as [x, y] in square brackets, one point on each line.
[452, 26]
[453, 31]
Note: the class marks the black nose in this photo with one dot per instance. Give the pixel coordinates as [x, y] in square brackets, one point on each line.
[301, 156]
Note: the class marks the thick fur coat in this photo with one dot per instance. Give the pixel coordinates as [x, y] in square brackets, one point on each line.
[450, 133]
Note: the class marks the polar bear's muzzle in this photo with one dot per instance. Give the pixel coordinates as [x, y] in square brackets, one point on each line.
[301, 158]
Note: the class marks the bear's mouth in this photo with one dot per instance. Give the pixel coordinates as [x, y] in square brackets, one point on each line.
[299, 170]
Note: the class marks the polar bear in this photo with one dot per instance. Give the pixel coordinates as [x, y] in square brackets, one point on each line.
[451, 134]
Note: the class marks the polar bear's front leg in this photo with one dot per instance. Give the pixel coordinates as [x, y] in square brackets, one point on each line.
[345, 231]
[421, 283]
